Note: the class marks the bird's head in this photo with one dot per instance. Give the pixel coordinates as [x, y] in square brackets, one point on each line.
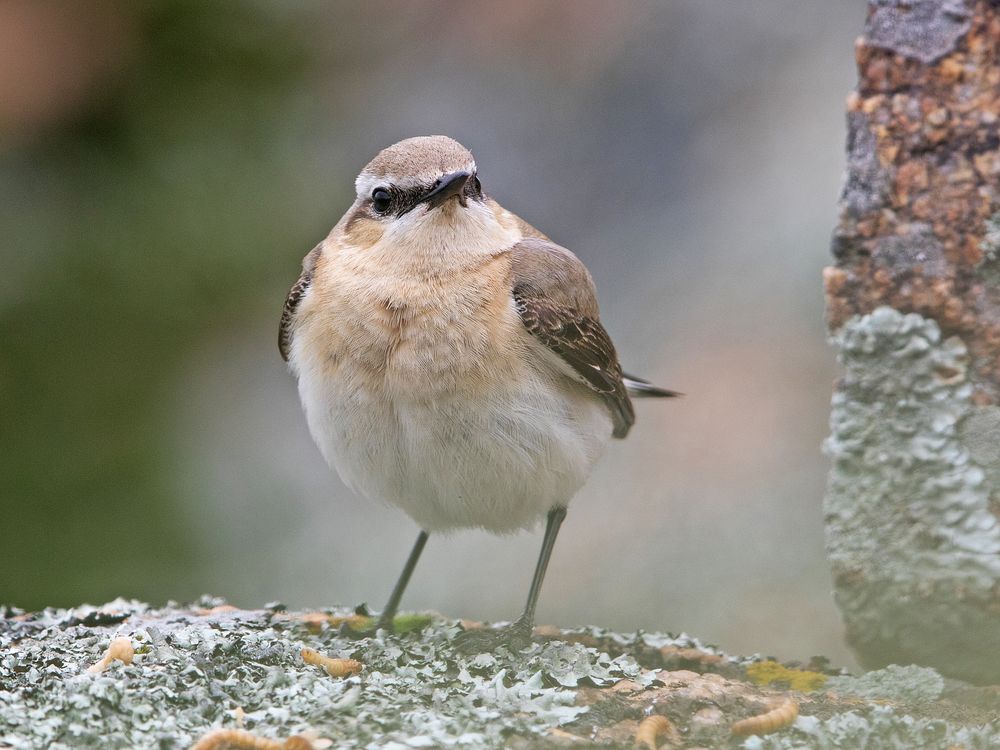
[422, 195]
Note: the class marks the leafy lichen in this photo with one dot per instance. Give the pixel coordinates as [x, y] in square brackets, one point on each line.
[191, 673]
[910, 684]
[216, 667]
[878, 729]
[912, 539]
[923, 29]
[988, 268]
[991, 240]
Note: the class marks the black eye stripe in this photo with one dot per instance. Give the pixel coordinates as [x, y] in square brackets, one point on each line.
[403, 200]
[409, 197]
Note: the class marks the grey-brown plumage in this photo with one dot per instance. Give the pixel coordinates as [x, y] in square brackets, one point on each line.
[557, 302]
[450, 357]
[556, 299]
[295, 295]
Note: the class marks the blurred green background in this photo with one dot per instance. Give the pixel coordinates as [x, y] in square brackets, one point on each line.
[165, 165]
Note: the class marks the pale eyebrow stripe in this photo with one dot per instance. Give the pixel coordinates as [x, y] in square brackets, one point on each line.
[367, 181]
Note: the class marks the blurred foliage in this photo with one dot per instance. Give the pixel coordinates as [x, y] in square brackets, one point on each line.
[128, 233]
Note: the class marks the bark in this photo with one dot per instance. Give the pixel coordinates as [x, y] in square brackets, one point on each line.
[913, 303]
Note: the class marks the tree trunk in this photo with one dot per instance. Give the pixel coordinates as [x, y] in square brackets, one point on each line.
[913, 303]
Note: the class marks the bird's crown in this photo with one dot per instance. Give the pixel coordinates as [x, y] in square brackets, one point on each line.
[415, 161]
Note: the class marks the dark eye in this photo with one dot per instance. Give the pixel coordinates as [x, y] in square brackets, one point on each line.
[477, 186]
[381, 200]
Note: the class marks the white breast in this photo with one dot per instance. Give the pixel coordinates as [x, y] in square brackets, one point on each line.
[458, 430]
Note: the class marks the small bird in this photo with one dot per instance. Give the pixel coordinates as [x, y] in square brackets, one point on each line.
[450, 357]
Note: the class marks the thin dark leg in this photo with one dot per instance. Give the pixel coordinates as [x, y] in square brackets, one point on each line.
[554, 521]
[518, 635]
[389, 613]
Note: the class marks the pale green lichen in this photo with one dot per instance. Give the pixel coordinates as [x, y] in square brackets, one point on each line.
[913, 544]
[879, 729]
[991, 240]
[979, 433]
[989, 267]
[910, 684]
[190, 674]
[192, 671]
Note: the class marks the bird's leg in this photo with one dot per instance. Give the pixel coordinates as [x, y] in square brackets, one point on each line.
[389, 612]
[527, 619]
[519, 634]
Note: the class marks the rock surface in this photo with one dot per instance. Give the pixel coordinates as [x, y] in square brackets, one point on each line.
[199, 669]
[913, 304]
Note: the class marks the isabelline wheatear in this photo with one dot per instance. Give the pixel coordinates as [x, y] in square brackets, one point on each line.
[450, 357]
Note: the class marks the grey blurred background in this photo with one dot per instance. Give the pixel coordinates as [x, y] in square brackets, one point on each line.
[165, 165]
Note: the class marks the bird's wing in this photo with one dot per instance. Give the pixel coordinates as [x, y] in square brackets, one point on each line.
[295, 295]
[555, 297]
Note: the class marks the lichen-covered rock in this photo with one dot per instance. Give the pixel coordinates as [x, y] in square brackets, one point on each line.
[214, 667]
[914, 493]
[924, 29]
[192, 671]
[910, 684]
[913, 540]
[880, 729]
[923, 175]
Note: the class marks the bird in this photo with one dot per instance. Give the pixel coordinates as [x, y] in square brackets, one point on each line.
[450, 357]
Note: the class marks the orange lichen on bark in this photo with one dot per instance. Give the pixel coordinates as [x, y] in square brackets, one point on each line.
[923, 181]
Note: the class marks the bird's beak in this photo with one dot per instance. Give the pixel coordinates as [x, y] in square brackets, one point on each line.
[448, 186]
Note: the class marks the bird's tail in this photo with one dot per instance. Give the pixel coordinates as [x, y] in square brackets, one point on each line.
[639, 388]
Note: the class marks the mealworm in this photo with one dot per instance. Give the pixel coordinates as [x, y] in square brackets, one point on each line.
[317, 621]
[237, 739]
[357, 622]
[333, 667]
[777, 718]
[216, 610]
[652, 728]
[120, 649]
[234, 738]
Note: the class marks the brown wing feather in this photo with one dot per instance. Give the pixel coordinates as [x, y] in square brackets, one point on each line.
[295, 295]
[557, 302]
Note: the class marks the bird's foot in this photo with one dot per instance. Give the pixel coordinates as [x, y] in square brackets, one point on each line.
[485, 640]
[356, 634]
